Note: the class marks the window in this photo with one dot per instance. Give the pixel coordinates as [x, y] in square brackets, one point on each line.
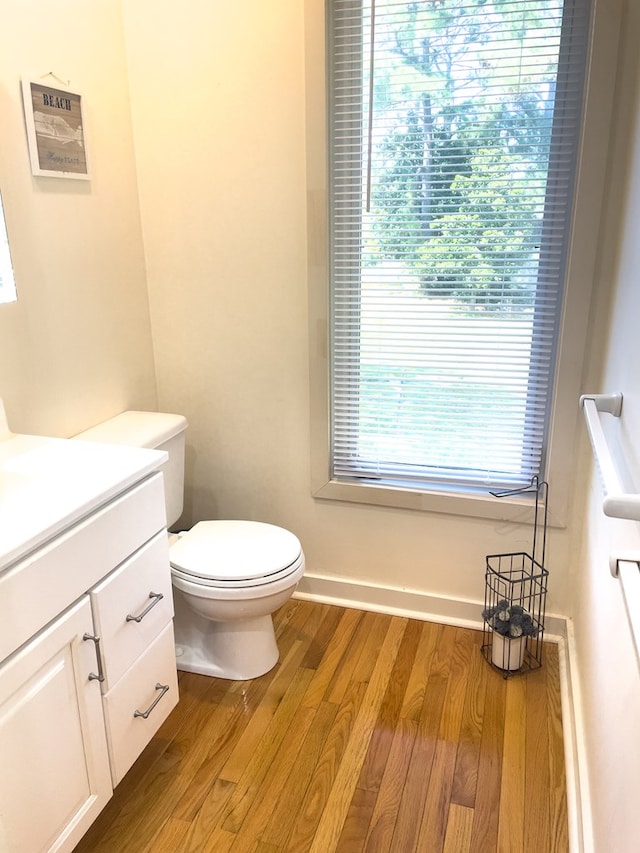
[453, 141]
[7, 282]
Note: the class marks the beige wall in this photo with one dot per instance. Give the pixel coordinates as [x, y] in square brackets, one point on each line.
[218, 100]
[76, 347]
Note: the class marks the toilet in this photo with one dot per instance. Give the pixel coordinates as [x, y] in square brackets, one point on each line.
[228, 576]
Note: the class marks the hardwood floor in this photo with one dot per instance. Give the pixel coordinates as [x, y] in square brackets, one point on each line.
[373, 733]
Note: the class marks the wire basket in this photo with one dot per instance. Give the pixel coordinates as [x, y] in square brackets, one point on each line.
[515, 599]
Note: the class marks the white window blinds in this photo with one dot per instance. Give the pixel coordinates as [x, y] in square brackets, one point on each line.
[453, 138]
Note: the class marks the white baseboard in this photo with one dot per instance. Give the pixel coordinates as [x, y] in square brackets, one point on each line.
[578, 798]
[413, 604]
[465, 613]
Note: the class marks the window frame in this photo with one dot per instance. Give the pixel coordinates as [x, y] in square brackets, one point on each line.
[573, 321]
[8, 289]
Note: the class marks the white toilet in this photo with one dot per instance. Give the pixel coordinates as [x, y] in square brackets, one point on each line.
[228, 576]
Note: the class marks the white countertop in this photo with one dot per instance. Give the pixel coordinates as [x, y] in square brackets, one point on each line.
[47, 484]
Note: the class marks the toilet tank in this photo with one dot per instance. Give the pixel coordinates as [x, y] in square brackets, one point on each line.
[155, 431]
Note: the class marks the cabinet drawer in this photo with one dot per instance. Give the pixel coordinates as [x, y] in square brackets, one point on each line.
[36, 590]
[131, 606]
[138, 689]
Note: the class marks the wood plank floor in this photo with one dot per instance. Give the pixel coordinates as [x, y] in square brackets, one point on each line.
[373, 733]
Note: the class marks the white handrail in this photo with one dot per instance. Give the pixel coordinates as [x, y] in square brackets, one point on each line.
[624, 565]
[617, 503]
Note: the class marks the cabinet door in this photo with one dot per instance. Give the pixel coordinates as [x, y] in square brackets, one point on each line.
[55, 770]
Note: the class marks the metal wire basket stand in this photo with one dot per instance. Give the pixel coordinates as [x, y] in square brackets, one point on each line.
[515, 597]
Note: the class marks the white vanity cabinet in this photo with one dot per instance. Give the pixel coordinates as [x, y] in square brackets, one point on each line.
[87, 659]
[54, 772]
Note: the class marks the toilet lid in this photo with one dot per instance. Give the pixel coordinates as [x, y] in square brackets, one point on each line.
[229, 552]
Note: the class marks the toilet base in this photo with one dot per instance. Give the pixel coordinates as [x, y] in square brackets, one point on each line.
[238, 650]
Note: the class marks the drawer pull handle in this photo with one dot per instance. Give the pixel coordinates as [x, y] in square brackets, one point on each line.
[144, 714]
[157, 597]
[92, 675]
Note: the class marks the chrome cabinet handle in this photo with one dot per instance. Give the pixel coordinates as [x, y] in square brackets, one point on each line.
[96, 640]
[144, 714]
[157, 597]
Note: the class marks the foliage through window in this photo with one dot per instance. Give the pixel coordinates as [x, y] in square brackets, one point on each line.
[453, 137]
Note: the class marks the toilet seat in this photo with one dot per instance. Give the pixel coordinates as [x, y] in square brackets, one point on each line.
[235, 554]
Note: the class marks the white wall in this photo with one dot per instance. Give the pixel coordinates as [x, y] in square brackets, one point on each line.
[609, 679]
[76, 347]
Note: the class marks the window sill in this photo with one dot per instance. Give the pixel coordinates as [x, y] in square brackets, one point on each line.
[514, 509]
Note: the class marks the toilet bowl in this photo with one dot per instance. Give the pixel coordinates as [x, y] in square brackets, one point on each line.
[228, 576]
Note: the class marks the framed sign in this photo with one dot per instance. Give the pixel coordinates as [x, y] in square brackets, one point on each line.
[55, 131]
